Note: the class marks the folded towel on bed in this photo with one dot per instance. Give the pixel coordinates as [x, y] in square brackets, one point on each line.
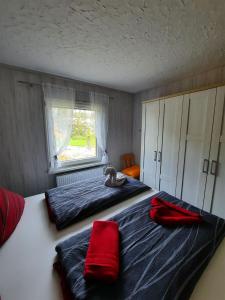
[102, 260]
[167, 213]
[112, 180]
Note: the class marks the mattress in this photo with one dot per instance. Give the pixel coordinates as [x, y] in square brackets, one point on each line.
[157, 262]
[73, 202]
[26, 259]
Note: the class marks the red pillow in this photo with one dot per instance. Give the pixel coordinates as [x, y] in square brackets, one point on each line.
[11, 210]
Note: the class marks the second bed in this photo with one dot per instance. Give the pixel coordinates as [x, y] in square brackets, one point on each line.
[73, 202]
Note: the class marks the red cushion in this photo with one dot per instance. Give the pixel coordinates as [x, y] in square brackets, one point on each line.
[102, 260]
[11, 210]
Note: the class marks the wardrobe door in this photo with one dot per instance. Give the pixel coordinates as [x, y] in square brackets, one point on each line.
[195, 145]
[215, 189]
[142, 142]
[218, 166]
[149, 142]
[169, 153]
[218, 203]
[159, 144]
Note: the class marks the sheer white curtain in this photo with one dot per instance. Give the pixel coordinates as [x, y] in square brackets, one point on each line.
[100, 104]
[59, 105]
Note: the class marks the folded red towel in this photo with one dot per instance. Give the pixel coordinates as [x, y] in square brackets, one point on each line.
[102, 260]
[167, 213]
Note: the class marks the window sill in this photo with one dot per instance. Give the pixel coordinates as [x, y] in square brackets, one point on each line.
[75, 168]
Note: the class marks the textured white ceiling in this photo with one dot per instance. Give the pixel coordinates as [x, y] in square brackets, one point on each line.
[124, 44]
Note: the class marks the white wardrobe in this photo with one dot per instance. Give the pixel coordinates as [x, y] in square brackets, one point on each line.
[183, 148]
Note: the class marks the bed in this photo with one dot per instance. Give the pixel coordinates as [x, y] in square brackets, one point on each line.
[157, 262]
[27, 257]
[73, 202]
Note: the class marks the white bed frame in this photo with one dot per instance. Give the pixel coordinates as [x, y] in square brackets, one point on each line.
[26, 259]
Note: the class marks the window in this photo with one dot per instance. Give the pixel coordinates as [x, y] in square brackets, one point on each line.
[82, 144]
[76, 126]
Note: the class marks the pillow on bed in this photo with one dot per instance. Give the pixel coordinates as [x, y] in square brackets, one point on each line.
[11, 210]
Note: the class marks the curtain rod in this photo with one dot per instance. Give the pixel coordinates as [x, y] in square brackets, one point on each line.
[31, 84]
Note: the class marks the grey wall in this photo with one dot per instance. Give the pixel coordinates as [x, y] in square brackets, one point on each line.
[23, 155]
[201, 80]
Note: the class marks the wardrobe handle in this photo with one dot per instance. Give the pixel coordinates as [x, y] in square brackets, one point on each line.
[205, 168]
[155, 155]
[213, 170]
[160, 156]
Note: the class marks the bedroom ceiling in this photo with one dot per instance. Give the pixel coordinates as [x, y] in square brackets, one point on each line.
[129, 45]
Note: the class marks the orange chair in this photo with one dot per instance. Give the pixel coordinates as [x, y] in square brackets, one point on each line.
[130, 168]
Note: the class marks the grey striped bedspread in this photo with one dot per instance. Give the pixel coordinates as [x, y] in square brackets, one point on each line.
[73, 202]
[157, 262]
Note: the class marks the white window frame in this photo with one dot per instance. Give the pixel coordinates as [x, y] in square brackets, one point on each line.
[70, 164]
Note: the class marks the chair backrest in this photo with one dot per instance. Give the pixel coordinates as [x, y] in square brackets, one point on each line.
[128, 160]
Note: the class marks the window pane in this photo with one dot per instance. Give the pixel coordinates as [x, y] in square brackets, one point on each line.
[82, 144]
[61, 122]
